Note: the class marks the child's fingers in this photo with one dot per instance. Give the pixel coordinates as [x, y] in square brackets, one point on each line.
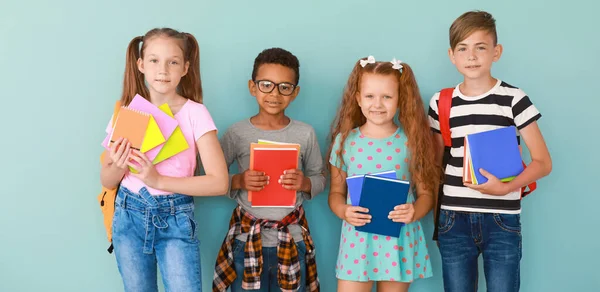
[292, 171]
[360, 221]
[255, 173]
[256, 184]
[399, 216]
[124, 158]
[358, 215]
[257, 179]
[116, 143]
[474, 187]
[399, 212]
[488, 175]
[137, 159]
[287, 181]
[135, 167]
[357, 222]
[293, 176]
[253, 188]
[142, 156]
[290, 187]
[117, 148]
[359, 209]
[402, 207]
[404, 219]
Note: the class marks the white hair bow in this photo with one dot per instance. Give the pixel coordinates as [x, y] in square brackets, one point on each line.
[369, 60]
[397, 64]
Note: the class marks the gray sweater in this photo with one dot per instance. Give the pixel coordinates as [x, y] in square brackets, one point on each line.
[236, 147]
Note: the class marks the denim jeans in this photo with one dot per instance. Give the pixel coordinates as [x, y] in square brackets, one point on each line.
[268, 278]
[150, 230]
[463, 236]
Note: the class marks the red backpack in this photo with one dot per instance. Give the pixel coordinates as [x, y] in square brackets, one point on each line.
[444, 107]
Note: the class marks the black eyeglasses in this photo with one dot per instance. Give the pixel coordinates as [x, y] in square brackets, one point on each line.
[267, 86]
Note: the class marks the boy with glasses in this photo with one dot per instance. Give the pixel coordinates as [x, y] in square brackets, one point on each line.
[270, 249]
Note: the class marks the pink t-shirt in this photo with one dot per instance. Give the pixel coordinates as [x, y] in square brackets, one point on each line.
[194, 121]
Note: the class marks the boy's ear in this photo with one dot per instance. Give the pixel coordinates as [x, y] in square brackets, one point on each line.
[296, 92]
[498, 52]
[140, 65]
[252, 87]
[451, 56]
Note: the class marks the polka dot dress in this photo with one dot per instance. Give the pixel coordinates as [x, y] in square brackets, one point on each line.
[365, 256]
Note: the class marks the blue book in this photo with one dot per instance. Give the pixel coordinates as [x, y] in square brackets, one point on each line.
[496, 151]
[355, 184]
[380, 195]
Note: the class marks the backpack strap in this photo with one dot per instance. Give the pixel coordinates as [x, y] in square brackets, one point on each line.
[444, 105]
[532, 186]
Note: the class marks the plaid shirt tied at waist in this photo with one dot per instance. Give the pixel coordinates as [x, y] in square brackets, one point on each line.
[288, 273]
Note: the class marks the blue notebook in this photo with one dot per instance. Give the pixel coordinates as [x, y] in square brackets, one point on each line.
[380, 195]
[355, 184]
[496, 151]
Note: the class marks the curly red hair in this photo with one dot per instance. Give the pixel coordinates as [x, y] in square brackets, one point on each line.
[422, 165]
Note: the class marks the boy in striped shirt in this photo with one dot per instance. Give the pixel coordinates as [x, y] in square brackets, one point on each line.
[483, 219]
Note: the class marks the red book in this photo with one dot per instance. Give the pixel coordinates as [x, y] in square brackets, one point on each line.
[273, 161]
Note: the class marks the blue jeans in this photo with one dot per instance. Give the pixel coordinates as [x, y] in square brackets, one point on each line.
[159, 230]
[463, 236]
[268, 278]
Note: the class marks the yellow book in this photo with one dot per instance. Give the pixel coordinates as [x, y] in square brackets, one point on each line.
[268, 142]
[176, 142]
[153, 137]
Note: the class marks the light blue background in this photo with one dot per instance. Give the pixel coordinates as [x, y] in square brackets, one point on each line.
[61, 67]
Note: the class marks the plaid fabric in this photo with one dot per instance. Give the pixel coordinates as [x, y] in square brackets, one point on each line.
[288, 273]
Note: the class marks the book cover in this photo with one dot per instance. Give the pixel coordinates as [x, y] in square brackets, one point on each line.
[132, 125]
[355, 184]
[380, 195]
[273, 161]
[496, 151]
[175, 144]
[165, 124]
[268, 145]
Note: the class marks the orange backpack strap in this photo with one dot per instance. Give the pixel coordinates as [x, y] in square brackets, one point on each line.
[444, 106]
[107, 198]
[532, 186]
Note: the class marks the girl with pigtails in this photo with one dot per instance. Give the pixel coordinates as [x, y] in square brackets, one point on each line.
[366, 138]
[153, 224]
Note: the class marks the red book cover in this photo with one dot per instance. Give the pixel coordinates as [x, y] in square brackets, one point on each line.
[273, 161]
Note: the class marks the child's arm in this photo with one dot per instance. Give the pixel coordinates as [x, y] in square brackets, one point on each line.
[439, 147]
[407, 213]
[248, 180]
[214, 183]
[540, 166]
[114, 166]
[354, 215]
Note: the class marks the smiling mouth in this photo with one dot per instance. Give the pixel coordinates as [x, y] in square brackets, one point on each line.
[163, 80]
[272, 102]
[473, 66]
[377, 113]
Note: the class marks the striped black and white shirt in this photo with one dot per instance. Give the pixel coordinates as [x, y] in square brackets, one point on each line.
[502, 106]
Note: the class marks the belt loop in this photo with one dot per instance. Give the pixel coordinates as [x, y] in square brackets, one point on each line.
[172, 207]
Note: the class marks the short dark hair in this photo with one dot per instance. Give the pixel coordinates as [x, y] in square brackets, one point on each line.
[277, 56]
[469, 23]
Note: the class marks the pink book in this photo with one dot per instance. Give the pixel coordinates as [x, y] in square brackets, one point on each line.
[166, 123]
